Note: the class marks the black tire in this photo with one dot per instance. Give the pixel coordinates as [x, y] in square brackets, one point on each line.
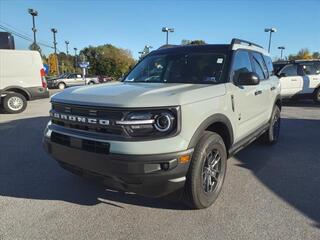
[271, 136]
[14, 103]
[197, 194]
[61, 86]
[316, 96]
[90, 83]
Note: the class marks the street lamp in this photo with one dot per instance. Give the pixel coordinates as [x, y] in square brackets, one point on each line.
[33, 13]
[167, 30]
[282, 48]
[67, 48]
[270, 30]
[54, 31]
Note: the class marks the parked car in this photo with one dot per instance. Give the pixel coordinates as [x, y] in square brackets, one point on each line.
[104, 79]
[70, 80]
[22, 78]
[299, 79]
[173, 121]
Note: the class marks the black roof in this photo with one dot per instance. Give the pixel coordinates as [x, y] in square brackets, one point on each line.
[219, 48]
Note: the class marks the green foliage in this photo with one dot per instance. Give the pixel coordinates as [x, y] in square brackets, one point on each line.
[192, 42]
[35, 47]
[66, 63]
[108, 60]
[303, 54]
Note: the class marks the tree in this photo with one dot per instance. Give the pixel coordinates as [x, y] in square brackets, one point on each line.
[192, 42]
[66, 63]
[35, 47]
[304, 53]
[108, 60]
[316, 55]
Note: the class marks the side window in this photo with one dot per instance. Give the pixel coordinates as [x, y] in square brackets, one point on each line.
[269, 64]
[241, 64]
[290, 70]
[309, 69]
[259, 66]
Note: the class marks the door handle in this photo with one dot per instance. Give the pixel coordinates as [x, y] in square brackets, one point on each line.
[258, 92]
[272, 88]
[293, 80]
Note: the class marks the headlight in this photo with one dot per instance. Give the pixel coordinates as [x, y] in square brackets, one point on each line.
[151, 123]
[164, 122]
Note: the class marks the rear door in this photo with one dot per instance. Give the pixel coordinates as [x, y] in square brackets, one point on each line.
[79, 80]
[291, 82]
[311, 77]
[263, 93]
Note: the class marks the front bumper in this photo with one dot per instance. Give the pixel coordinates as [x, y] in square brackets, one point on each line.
[151, 175]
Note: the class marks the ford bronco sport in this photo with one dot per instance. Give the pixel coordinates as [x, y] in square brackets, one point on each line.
[172, 122]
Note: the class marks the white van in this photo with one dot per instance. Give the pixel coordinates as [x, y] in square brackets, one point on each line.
[22, 78]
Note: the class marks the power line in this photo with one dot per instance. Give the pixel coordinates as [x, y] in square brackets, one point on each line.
[25, 37]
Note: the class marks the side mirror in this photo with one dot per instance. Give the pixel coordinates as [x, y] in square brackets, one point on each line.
[282, 75]
[248, 78]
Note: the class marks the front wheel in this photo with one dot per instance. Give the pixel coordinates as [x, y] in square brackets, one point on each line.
[272, 134]
[14, 103]
[207, 171]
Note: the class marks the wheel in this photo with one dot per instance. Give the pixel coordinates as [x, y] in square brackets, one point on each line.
[272, 134]
[14, 103]
[61, 85]
[206, 172]
[317, 95]
[90, 83]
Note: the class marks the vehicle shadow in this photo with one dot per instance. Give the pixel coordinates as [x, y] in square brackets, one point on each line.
[290, 168]
[26, 171]
[300, 103]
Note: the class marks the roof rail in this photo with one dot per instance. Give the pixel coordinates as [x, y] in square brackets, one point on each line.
[168, 46]
[240, 41]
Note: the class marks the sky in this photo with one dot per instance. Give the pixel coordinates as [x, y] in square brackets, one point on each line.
[134, 24]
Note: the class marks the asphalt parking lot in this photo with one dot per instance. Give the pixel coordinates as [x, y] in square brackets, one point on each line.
[269, 192]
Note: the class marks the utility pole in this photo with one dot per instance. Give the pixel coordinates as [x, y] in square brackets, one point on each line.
[54, 31]
[67, 47]
[75, 59]
[270, 30]
[167, 30]
[33, 13]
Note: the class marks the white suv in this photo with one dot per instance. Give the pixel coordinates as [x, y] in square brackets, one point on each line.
[173, 121]
[299, 79]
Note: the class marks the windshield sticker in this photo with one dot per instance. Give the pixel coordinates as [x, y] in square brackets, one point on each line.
[220, 60]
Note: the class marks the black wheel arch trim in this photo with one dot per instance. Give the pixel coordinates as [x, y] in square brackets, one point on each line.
[7, 90]
[215, 118]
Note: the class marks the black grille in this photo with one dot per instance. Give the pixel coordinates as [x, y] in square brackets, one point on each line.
[95, 112]
[83, 144]
[88, 111]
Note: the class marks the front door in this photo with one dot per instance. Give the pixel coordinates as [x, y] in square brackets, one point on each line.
[246, 98]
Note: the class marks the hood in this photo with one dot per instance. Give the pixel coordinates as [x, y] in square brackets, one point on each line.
[125, 95]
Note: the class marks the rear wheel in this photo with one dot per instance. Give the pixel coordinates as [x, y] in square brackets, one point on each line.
[90, 83]
[272, 135]
[207, 171]
[316, 97]
[61, 86]
[14, 103]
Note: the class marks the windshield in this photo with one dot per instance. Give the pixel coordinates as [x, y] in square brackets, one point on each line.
[199, 68]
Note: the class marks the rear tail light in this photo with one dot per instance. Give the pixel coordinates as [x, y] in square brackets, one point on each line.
[43, 78]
